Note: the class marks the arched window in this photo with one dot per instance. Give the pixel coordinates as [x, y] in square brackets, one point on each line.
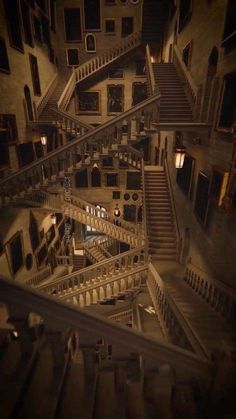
[90, 42]
[100, 214]
[29, 107]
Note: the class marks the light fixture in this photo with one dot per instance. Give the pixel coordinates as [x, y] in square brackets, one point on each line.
[53, 219]
[179, 156]
[43, 139]
[116, 211]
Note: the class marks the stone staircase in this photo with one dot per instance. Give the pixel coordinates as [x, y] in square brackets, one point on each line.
[160, 223]
[47, 114]
[154, 17]
[174, 106]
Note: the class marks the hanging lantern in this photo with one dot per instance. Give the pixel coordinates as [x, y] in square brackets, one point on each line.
[43, 139]
[116, 211]
[179, 157]
[53, 219]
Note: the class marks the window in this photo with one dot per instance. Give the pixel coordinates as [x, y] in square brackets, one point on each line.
[112, 179]
[37, 30]
[133, 180]
[4, 62]
[25, 12]
[110, 26]
[45, 30]
[33, 232]
[53, 14]
[186, 54]
[13, 23]
[185, 10]
[229, 37]
[227, 117]
[126, 26]
[92, 15]
[72, 56]
[72, 25]
[15, 249]
[100, 214]
[35, 74]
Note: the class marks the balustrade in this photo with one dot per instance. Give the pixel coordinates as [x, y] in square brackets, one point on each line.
[219, 296]
[113, 266]
[172, 320]
[97, 63]
[33, 172]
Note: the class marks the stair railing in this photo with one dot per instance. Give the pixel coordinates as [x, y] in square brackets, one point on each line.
[150, 73]
[76, 209]
[112, 266]
[69, 122]
[185, 75]
[44, 98]
[18, 183]
[130, 155]
[221, 297]
[97, 63]
[178, 327]
[91, 327]
[144, 213]
[108, 287]
[175, 215]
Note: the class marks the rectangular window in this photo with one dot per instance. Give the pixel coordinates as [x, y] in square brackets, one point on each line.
[37, 30]
[13, 23]
[186, 54]
[229, 37]
[112, 179]
[110, 26]
[16, 252]
[8, 123]
[228, 108]
[72, 56]
[126, 26]
[53, 14]
[92, 15]
[45, 30]
[4, 62]
[133, 180]
[202, 198]
[35, 75]
[25, 12]
[72, 25]
[185, 9]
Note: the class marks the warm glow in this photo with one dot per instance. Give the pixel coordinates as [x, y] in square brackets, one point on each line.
[43, 139]
[53, 219]
[179, 157]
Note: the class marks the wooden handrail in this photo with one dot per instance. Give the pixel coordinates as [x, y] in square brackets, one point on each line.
[62, 313]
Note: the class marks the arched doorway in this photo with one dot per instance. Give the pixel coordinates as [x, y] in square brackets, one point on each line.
[28, 102]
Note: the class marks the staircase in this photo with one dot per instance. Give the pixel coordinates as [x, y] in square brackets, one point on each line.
[47, 114]
[155, 13]
[160, 224]
[174, 106]
[68, 363]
